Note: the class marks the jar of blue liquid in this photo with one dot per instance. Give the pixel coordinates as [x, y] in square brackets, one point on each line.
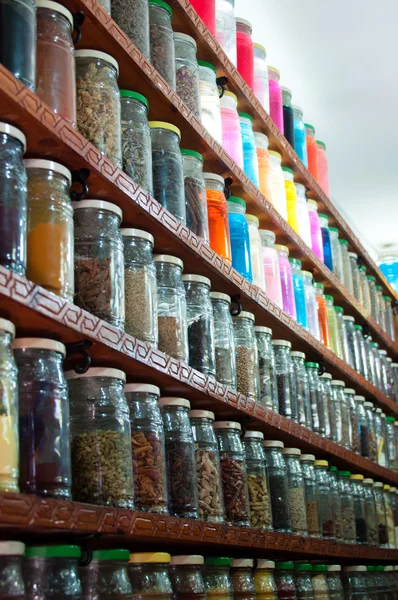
[300, 142]
[327, 247]
[239, 237]
[299, 292]
[250, 164]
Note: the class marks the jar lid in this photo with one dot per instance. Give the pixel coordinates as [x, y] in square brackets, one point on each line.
[261, 329]
[349, 391]
[370, 278]
[236, 200]
[99, 55]
[242, 562]
[388, 419]
[358, 327]
[281, 248]
[312, 365]
[97, 372]
[114, 554]
[343, 473]
[334, 568]
[207, 65]
[292, 451]
[355, 568]
[333, 469]
[201, 414]
[134, 96]
[307, 457]
[13, 132]
[378, 484]
[321, 463]
[40, 344]
[353, 254]
[380, 568]
[394, 365]
[343, 242]
[217, 561]
[137, 233]
[171, 401]
[227, 425]
[393, 490]
[379, 287]
[149, 557]
[371, 405]
[164, 125]
[190, 278]
[388, 298]
[307, 274]
[362, 268]
[378, 411]
[338, 382]
[388, 568]
[334, 229]
[189, 559]
[252, 219]
[220, 296]
[319, 286]
[142, 388]
[11, 548]
[338, 309]
[230, 95]
[383, 352]
[193, 153]
[244, 22]
[183, 37]
[320, 568]
[297, 354]
[274, 70]
[288, 170]
[245, 315]
[308, 126]
[273, 444]
[288, 564]
[360, 398]
[329, 298]
[8, 327]
[323, 216]
[389, 359]
[295, 261]
[55, 7]
[167, 258]
[48, 165]
[100, 205]
[163, 5]
[262, 563]
[357, 477]
[64, 551]
[326, 376]
[214, 177]
[260, 47]
[281, 343]
[274, 153]
[368, 481]
[304, 567]
[254, 434]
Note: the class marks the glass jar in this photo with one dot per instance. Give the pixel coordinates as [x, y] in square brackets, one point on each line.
[319, 582]
[50, 227]
[18, 35]
[311, 304]
[140, 286]
[256, 253]
[217, 210]
[250, 165]
[373, 297]
[381, 437]
[323, 318]
[167, 168]
[380, 307]
[337, 258]
[394, 502]
[149, 576]
[345, 420]
[355, 583]
[352, 343]
[300, 144]
[210, 109]
[211, 504]
[289, 304]
[187, 577]
[239, 237]
[304, 229]
[325, 381]
[9, 442]
[271, 267]
[257, 481]
[347, 273]
[218, 582]
[315, 227]
[319, 409]
[389, 318]
[52, 572]
[242, 579]
[261, 89]
[341, 332]
[44, 445]
[365, 291]
[172, 309]
[137, 29]
[356, 284]
[311, 494]
[291, 198]
[335, 585]
[326, 244]
[224, 340]
[296, 491]
[266, 368]
[302, 390]
[264, 580]
[357, 490]
[362, 363]
[370, 512]
[98, 102]
[226, 28]
[392, 453]
[312, 151]
[377, 365]
[233, 473]
[278, 192]
[381, 513]
[347, 507]
[303, 582]
[55, 59]
[99, 260]
[275, 98]
[106, 576]
[12, 585]
[284, 376]
[389, 516]
[338, 401]
[351, 404]
[326, 512]
[394, 371]
[323, 175]
[102, 470]
[161, 40]
[180, 458]
[372, 432]
[207, 12]
[288, 119]
[187, 72]
[285, 581]
[136, 138]
[200, 324]
[245, 51]
[231, 138]
[246, 356]
[147, 446]
[335, 493]
[332, 321]
[384, 381]
[370, 360]
[278, 486]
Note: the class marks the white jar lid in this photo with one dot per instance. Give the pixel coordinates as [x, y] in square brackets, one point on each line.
[40, 344]
[281, 343]
[242, 562]
[349, 391]
[254, 434]
[100, 205]
[368, 480]
[190, 559]
[220, 296]
[142, 388]
[55, 7]
[214, 177]
[8, 327]
[137, 233]
[369, 404]
[167, 258]
[383, 352]
[394, 365]
[334, 568]
[201, 414]
[261, 329]
[99, 55]
[227, 425]
[358, 568]
[292, 451]
[245, 315]
[172, 401]
[388, 568]
[297, 354]
[393, 490]
[338, 382]
[196, 279]
[48, 165]
[307, 457]
[273, 444]
[244, 22]
[265, 564]
[378, 411]
[13, 132]
[359, 397]
[353, 254]
[11, 548]
[378, 484]
[185, 38]
[348, 318]
[97, 372]
[326, 376]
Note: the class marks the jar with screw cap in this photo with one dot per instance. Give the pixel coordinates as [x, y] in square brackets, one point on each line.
[356, 283]
[354, 420]
[358, 493]
[363, 426]
[322, 315]
[341, 333]
[338, 402]
[369, 406]
[231, 140]
[148, 572]
[319, 582]
[271, 267]
[278, 191]
[380, 431]
[285, 581]
[300, 376]
[106, 576]
[319, 414]
[256, 253]
[162, 51]
[137, 28]
[363, 359]
[261, 76]
[217, 210]
[299, 292]
[335, 585]
[210, 110]
[12, 585]
[345, 422]
[334, 491]
[187, 72]
[326, 513]
[289, 303]
[381, 513]
[337, 258]
[311, 494]
[9, 440]
[18, 33]
[242, 579]
[332, 324]
[296, 490]
[325, 381]
[239, 237]
[275, 97]
[370, 512]
[303, 581]
[186, 574]
[246, 355]
[347, 507]
[389, 516]
[226, 28]
[311, 304]
[347, 272]
[53, 570]
[257, 481]
[266, 367]
[250, 164]
[195, 193]
[264, 580]
[284, 377]
[355, 582]
[277, 477]
[217, 578]
[244, 48]
[224, 340]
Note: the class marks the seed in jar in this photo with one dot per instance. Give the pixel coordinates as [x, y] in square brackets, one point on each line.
[235, 491]
[149, 472]
[298, 516]
[209, 486]
[259, 500]
[140, 309]
[182, 486]
[171, 340]
[348, 523]
[312, 510]
[246, 371]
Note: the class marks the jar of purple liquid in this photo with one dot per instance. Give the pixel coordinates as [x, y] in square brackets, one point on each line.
[289, 304]
[316, 232]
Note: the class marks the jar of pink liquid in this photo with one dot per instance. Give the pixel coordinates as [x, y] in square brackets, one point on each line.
[231, 136]
[275, 98]
[271, 267]
[315, 226]
[289, 303]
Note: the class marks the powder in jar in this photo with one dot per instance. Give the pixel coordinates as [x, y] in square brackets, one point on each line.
[171, 337]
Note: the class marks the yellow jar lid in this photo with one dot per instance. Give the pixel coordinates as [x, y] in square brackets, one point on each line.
[149, 557]
[231, 95]
[274, 70]
[321, 463]
[274, 153]
[164, 125]
[386, 487]
[357, 477]
[313, 202]
[260, 47]
[282, 248]
[307, 274]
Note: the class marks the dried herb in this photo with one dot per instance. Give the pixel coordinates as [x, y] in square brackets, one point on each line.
[372, 446]
[235, 491]
[162, 48]
[137, 156]
[171, 337]
[140, 298]
[168, 181]
[209, 486]
[149, 472]
[93, 286]
[259, 500]
[182, 484]
[201, 340]
[196, 207]
[188, 88]
[247, 372]
[298, 515]
[132, 16]
[354, 432]
[348, 523]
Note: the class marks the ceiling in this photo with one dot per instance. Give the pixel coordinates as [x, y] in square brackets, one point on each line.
[339, 58]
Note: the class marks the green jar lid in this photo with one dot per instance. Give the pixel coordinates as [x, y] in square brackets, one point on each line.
[304, 567]
[117, 554]
[390, 419]
[163, 5]
[288, 170]
[319, 568]
[375, 345]
[288, 564]
[344, 242]
[203, 63]
[311, 365]
[321, 144]
[323, 216]
[218, 561]
[186, 152]
[236, 200]
[330, 298]
[295, 261]
[362, 268]
[388, 298]
[379, 288]
[338, 309]
[358, 327]
[319, 286]
[370, 278]
[308, 126]
[343, 473]
[371, 568]
[380, 568]
[52, 552]
[245, 116]
[333, 469]
[135, 96]
[334, 229]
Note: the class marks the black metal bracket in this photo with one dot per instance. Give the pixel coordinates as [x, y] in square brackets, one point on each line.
[322, 368]
[395, 307]
[365, 331]
[235, 312]
[79, 349]
[80, 176]
[227, 187]
[78, 20]
[221, 83]
[243, 422]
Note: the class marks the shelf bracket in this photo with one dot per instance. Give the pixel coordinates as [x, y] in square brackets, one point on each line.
[322, 368]
[78, 20]
[79, 348]
[80, 176]
[227, 187]
[365, 330]
[221, 83]
[235, 312]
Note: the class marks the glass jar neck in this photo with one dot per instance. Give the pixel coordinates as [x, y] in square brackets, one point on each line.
[267, 238]
[136, 107]
[236, 209]
[168, 274]
[97, 221]
[138, 250]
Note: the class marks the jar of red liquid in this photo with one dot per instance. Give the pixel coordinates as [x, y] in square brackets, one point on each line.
[206, 9]
[231, 137]
[312, 151]
[275, 98]
[217, 211]
[284, 581]
[245, 51]
[323, 174]
[322, 315]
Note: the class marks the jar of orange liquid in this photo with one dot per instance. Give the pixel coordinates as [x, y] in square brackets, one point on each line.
[217, 211]
[264, 164]
[312, 150]
[322, 315]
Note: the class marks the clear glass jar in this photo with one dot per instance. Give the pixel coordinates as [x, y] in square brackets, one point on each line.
[162, 41]
[271, 267]
[319, 408]
[335, 585]
[392, 453]
[44, 444]
[372, 432]
[18, 35]
[231, 139]
[365, 292]
[289, 304]
[338, 404]
[250, 165]
[285, 379]
[326, 512]
[242, 579]
[373, 297]
[296, 491]
[341, 332]
[245, 51]
[351, 406]
[325, 381]
[167, 168]
[99, 260]
[373, 584]
[141, 306]
[285, 581]
[370, 511]
[200, 324]
[377, 365]
[218, 582]
[300, 144]
[335, 493]
[332, 322]
[319, 582]
[137, 29]
[347, 272]
[187, 72]
[381, 437]
[363, 360]
[337, 259]
[300, 376]
[299, 292]
[52, 572]
[12, 585]
[224, 340]
[275, 97]
[136, 138]
[303, 581]
[381, 513]
[240, 238]
[102, 469]
[278, 486]
[172, 309]
[149, 576]
[210, 109]
[315, 227]
[347, 507]
[380, 307]
[389, 516]
[311, 494]
[50, 227]
[217, 210]
[394, 502]
[226, 28]
[261, 88]
[288, 121]
[311, 304]
[257, 481]
[9, 441]
[291, 198]
[352, 343]
[211, 502]
[384, 382]
[394, 371]
[389, 318]
[304, 229]
[278, 195]
[148, 448]
[106, 576]
[312, 151]
[358, 493]
[233, 473]
[363, 426]
[356, 283]
[322, 315]
[55, 59]
[354, 580]
[327, 247]
[264, 580]
[206, 10]
[256, 252]
[266, 368]
[98, 102]
[186, 574]
[247, 374]
[180, 457]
